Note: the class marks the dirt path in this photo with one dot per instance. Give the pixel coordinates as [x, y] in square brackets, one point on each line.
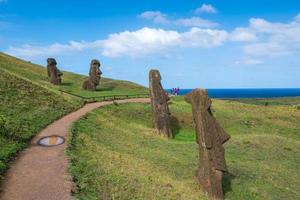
[40, 173]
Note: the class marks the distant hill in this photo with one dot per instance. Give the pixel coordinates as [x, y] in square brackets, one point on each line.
[29, 102]
[72, 82]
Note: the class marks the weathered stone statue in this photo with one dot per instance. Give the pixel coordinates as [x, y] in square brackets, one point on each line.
[210, 136]
[94, 76]
[54, 74]
[159, 103]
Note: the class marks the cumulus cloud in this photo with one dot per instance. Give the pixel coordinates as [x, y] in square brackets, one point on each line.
[206, 8]
[243, 35]
[261, 39]
[151, 41]
[196, 22]
[204, 38]
[274, 39]
[156, 16]
[28, 51]
[161, 18]
[137, 43]
[140, 42]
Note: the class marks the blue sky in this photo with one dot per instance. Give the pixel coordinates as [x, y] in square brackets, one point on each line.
[209, 44]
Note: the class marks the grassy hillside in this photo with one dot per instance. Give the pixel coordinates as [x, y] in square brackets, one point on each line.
[72, 83]
[29, 102]
[116, 155]
[24, 110]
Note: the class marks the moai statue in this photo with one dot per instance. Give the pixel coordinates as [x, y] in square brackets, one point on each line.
[159, 103]
[54, 74]
[210, 136]
[94, 76]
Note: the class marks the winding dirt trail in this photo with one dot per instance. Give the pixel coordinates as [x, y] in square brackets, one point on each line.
[40, 173]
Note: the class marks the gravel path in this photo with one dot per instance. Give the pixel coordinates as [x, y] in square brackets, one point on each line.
[40, 173]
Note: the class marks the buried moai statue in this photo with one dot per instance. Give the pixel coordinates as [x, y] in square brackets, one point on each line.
[54, 74]
[210, 136]
[94, 76]
[159, 103]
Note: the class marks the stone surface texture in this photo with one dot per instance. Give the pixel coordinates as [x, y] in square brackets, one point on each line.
[94, 76]
[159, 103]
[54, 74]
[210, 137]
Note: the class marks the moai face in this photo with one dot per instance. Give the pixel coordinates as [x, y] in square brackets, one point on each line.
[157, 90]
[94, 76]
[51, 61]
[155, 75]
[95, 72]
[201, 100]
[54, 74]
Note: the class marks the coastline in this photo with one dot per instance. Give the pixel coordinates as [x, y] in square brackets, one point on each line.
[248, 92]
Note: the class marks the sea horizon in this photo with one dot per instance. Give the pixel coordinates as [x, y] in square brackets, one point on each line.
[247, 92]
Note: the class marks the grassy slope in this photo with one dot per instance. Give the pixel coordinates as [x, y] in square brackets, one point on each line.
[71, 82]
[25, 109]
[29, 102]
[116, 155]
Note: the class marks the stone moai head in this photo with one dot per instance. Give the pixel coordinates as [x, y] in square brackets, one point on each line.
[95, 72]
[155, 82]
[159, 103]
[203, 104]
[94, 76]
[155, 75]
[54, 74]
[51, 61]
[210, 136]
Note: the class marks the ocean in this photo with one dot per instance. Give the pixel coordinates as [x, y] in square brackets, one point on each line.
[248, 93]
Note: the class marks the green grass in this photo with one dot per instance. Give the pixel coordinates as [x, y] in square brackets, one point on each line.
[267, 101]
[72, 83]
[24, 110]
[115, 154]
[29, 102]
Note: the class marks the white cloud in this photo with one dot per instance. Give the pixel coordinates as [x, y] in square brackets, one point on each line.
[152, 41]
[243, 35]
[137, 43]
[206, 8]
[204, 38]
[196, 22]
[277, 32]
[269, 39]
[156, 16]
[27, 51]
[161, 18]
[261, 39]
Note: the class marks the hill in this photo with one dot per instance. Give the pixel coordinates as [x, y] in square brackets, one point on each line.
[115, 153]
[72, 83]
[29, 102]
